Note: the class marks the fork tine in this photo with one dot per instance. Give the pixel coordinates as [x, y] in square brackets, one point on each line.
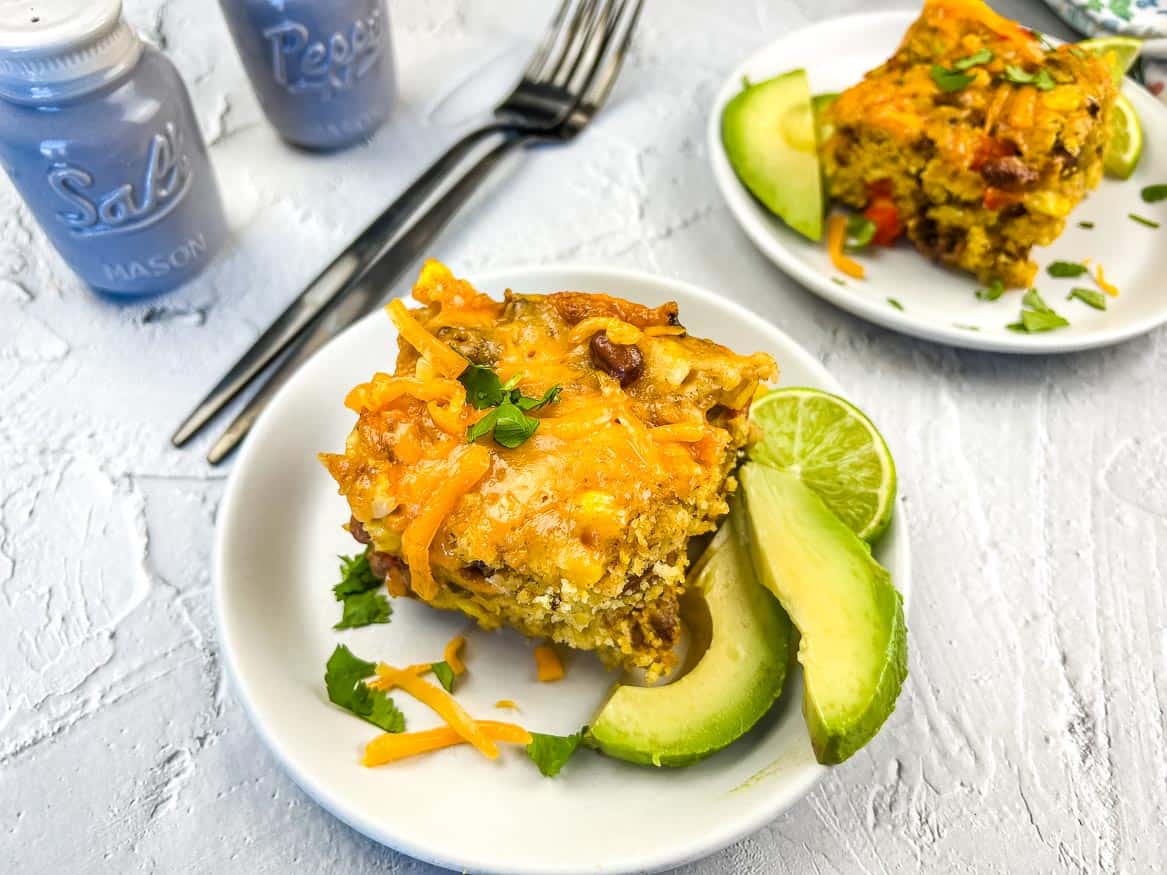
[595, 51]
[580, 23]
[588, 42]
[598, 89]
[549, 41]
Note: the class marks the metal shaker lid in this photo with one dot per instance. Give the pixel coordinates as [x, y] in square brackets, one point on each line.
[57, 49]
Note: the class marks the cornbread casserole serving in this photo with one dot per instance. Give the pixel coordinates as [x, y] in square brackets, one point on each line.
[615, 434]
[974, 139]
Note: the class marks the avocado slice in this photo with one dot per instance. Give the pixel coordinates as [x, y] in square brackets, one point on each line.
[747, 639]
[854, 645]
[769, 135]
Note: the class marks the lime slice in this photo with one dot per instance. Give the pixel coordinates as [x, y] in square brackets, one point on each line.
[1126, 140]
[1120, 52]
[834, 450]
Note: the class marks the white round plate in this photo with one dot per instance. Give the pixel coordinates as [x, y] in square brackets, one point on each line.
[939, 304]
[275, 560]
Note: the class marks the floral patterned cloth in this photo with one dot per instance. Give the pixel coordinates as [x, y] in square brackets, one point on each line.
[1146, 19]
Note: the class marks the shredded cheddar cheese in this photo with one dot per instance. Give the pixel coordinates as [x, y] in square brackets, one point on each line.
[548, 665]
[469, 467]
[443, 704]
[394, 746]
[451, 654]
[618, 330]
[506, 703]
[836, 237]
[682, 432]
[444, 360]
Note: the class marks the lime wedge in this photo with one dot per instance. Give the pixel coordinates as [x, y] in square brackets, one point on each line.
[1120, 52]
[833, 448]
[1126, 140]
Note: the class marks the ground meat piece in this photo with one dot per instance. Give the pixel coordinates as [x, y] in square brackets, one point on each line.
[664, 623]
[1009, 173]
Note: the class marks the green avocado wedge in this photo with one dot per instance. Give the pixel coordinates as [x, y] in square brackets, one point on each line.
[854, 639]
[769, 135]
[747, 638]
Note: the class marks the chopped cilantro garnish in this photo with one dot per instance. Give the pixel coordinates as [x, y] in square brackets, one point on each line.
[1150, 223]
[995, 289]
[1090, 297]
[1037, 315]
[444, 674]
[950, 80]
[837, 281]
[1063, 269]
[973, 60]
[551, 752]
[508, 420]
[964, 327]
[1019, 76]
[344, 678]
[860, 231]
[895, 303]
[1089, 226]
[358, 586]
[1153, 193]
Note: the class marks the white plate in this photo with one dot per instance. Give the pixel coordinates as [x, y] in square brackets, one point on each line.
[938, 303]
[275, 559]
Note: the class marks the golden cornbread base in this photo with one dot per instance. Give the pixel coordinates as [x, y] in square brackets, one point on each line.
[898, 127]
[579, 535]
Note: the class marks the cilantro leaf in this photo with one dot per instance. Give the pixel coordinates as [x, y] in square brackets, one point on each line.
[549, 397]
[895, 303]
[344, 679]
[355, 576]
[483, 388]
[1150, 223]
[1153, 193]
[1018, 75]
[950, 80]
[860, 231]
[1087, 225]
[364, 609]
[1033, 321]
[483, 427]
[1035, 301]
[973, 60]
[551, 752]
[995, 289]
[363, 605]
[511, 426]
[444, 674]
[1066, 269]
[1090, 297]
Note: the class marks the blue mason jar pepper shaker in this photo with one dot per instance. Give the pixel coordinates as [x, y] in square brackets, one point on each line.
[322, 69]
[98, 135]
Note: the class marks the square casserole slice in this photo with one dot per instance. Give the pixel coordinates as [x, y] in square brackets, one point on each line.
[579, 534]
[979, 173]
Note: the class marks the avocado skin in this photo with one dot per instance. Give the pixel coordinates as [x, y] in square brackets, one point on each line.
[741, 698]
[776, 499]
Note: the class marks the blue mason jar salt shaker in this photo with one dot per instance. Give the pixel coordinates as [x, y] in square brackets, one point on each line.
[322, 69]
[98, 135]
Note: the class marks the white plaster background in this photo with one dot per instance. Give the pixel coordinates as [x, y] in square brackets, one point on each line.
[1031, 734]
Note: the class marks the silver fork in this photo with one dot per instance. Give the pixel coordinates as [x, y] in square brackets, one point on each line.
[369, 292]
[542, 99]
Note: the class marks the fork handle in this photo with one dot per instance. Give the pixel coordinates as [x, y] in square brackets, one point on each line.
[324, 291]
[364, 296]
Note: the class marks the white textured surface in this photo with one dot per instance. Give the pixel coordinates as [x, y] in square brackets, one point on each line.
[1031, 733]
